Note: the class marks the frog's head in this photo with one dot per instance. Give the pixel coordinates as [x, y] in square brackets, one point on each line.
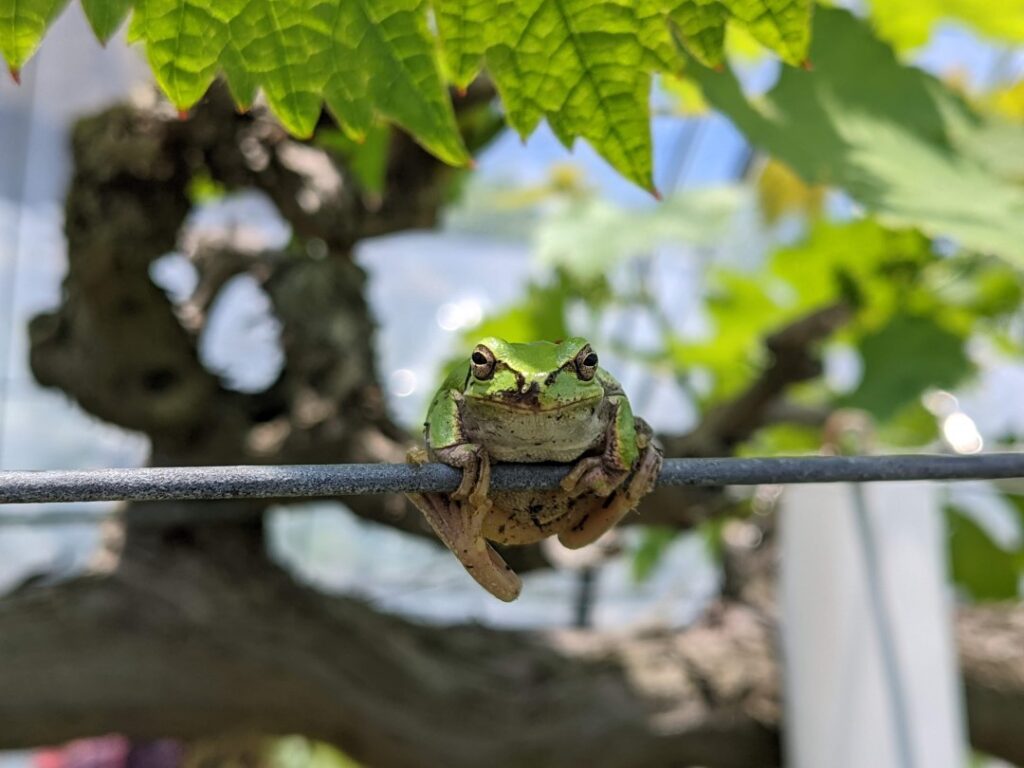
[538, 376]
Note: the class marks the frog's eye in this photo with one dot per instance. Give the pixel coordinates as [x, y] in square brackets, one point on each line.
[586, 364]
[482, 362]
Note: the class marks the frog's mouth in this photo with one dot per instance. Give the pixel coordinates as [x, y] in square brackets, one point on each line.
[528, 401]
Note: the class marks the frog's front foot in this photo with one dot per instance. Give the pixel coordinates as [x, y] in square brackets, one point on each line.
[592, 474]
[592, 520]
[476, 473]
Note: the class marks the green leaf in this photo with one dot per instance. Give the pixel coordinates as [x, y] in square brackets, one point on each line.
[653, 545]
[22, 26]
[908, 23]
[589, 236]
[740, 313]
[367, 160]
[579, 64]
[105, 16]
[871, 266]
[184, 40]
[585, 66]
[384, 60]
[782, 439]
[464, 28]
[283, 47]
[699, 26]
[906, 357]
[978, 565]
[911, 425]
[780, 25]
[896, 139]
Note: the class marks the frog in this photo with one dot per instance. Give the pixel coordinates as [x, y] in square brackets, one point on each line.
[532, 402]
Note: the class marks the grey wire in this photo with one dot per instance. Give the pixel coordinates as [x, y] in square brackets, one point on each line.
[885, 631]
[327, 480]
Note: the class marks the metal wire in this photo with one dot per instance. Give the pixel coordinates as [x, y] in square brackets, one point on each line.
[325, 480]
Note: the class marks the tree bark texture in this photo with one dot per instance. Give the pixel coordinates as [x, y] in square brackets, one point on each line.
[198, 640]
[194, 646]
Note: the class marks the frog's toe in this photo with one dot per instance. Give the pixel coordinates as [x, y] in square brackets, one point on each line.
[458, 525]
[499, 579]
[576, 480]
[417, 455]
[595, 517]
[478, 497]
[646, 475]
[592, 475]
[476, 469]
[488, 568]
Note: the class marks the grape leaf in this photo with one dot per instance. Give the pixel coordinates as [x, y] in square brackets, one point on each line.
[589, 236]
[22, 26]
[585, 66]
[783, 26]
[105, 16]
[184, 40]
[578, 64]
[399, 78]
[896, 139]
[901, 360]
[700, 25]
[908, 23]
[464, 29]
[977, 563]
[780, 25]
[654, 542]
[282, 47]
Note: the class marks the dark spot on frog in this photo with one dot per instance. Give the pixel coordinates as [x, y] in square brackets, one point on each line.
[608, 501]
[501, 528]
[530, 398]
[581, 523]
[534, 511]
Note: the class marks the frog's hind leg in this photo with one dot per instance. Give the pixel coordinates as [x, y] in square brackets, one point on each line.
[459, 525]
[594, 516]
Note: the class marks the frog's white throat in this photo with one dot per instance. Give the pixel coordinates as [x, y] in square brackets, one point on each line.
[522, 434]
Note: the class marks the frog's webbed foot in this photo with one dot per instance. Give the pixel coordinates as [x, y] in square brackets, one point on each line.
[602, 475]
[592, 474]
[459, 525]
[458, 519]
[593, 520]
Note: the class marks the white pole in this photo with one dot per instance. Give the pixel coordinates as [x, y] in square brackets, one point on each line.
[870, 676]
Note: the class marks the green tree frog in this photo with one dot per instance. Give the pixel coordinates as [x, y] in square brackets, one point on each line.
[541, 401]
